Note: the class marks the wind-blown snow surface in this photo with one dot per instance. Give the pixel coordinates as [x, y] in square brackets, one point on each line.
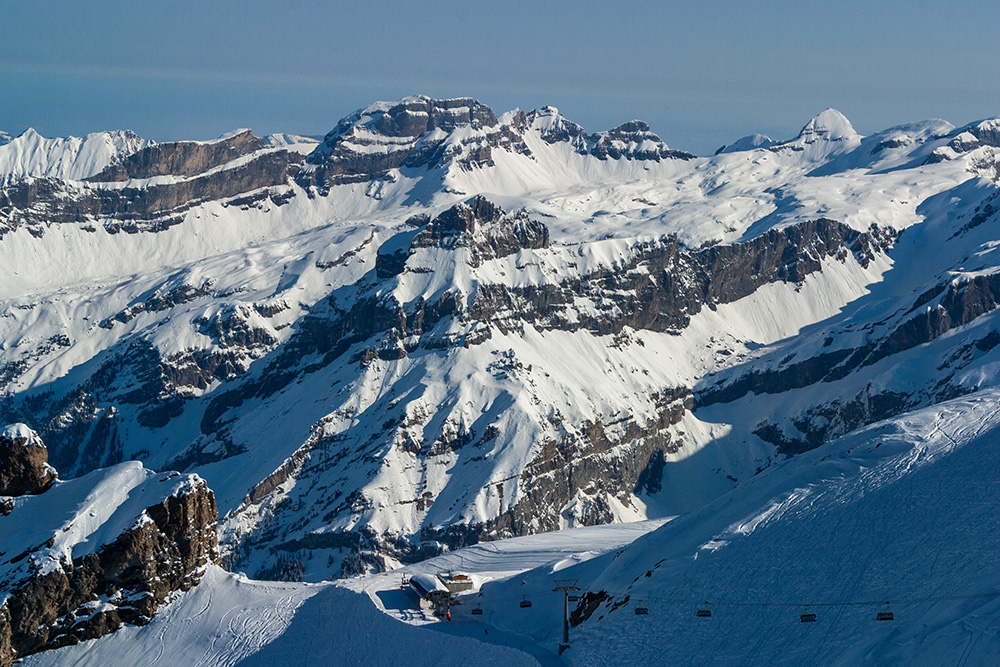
[902, 511]
[81, 299]
[228, 620]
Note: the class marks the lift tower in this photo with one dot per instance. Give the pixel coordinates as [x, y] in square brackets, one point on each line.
[565, 585]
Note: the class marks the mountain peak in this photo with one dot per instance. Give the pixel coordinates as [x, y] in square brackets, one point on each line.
[747, 143]
[29, 133]
[828, 125]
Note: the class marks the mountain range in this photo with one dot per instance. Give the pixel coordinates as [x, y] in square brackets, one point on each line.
[439, 326]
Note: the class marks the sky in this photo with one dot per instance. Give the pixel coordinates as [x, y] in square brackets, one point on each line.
[701, 73]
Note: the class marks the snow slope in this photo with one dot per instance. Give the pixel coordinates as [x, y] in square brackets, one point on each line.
[101, 506]
[228, 620]
[899, 512]
[32, 155]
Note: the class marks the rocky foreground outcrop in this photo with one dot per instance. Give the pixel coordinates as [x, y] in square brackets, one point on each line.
[24, 462]
[87, 555]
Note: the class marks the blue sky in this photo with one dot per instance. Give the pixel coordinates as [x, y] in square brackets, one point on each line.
[701, 73]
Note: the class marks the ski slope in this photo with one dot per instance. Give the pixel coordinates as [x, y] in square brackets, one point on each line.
[902, 512]
[228, 620]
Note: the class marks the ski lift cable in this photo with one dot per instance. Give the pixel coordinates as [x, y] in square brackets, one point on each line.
[849, 603]
[755, 603]
[537, 593]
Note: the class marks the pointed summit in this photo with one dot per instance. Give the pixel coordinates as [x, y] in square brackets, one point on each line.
[829, 125]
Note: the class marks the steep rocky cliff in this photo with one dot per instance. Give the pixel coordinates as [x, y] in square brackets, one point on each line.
[24, 462]
[84, 556]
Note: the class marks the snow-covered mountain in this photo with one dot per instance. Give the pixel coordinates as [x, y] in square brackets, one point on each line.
[441, 325]
[32, 155]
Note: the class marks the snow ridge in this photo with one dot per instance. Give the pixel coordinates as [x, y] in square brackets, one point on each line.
[30, 155]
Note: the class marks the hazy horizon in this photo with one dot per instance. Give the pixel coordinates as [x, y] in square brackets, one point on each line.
[701, 76]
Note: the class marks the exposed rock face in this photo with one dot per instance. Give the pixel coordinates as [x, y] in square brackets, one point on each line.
[412, 133]
[199, 174]
[663, 287]
[660, 289]
[426, 133]
[940, 310]
[85, 581]
[459, 375]
[484, 229]
[24, 464]
[181, 158]
[630, 141]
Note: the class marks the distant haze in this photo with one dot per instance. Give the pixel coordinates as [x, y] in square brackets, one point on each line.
[701, 74]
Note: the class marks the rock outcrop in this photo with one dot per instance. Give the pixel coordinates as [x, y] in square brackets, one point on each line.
[87, 555]
[181, 158]
[420, 132]
[24, 462]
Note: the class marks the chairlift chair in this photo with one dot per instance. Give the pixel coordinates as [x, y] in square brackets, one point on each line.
[477, 611]
[704, 612]
[642, 611]
[886, 615]
[525, 603]
[807, 616]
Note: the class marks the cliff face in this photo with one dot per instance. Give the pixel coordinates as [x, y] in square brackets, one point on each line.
[87, 555]
[151, 189]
